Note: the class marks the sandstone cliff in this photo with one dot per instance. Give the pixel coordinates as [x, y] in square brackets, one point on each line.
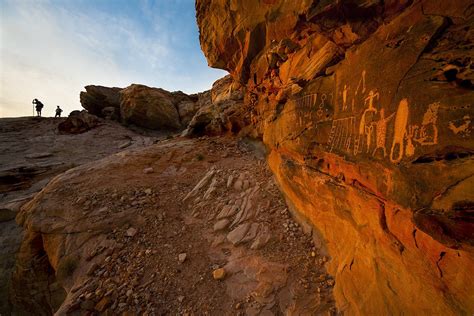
[366, 108]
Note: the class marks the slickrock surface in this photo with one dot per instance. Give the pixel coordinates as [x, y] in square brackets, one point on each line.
[32, 152]
[366, 108]
[113, 239]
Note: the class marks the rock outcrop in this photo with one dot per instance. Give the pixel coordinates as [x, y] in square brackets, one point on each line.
[220, 110]
[78, 122]
[148, 107]
[101, 101]
[366, 108]
[143, 106]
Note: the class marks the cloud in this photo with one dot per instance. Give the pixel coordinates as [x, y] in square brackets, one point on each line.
[51, 50]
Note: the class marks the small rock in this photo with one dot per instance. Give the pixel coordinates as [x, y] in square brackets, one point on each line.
[229, 181]
[131, 232]
[181, 298]
[103, 304]
[222, 224]
[238, 233]
[218, 274]
[39, 155]
[147, 191]
[92, 269]
[238, 185]
[148, 170]
[88, 305]
[262, 238]
[182, 257]
[124, 145]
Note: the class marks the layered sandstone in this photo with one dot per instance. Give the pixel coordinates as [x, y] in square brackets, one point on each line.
[366, 109]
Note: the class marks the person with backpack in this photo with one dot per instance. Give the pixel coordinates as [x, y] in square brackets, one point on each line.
[38, 106]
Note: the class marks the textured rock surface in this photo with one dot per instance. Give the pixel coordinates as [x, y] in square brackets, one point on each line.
[143, 106]
[366, 107]
[78, 122]
[220, 109]
[100, 100]
[96, 244]
[148, 107]
[25, 169]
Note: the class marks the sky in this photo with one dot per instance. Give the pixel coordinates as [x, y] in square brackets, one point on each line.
[51, 49]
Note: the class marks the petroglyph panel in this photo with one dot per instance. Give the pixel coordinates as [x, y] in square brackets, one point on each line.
[318, 105]
[361, 118]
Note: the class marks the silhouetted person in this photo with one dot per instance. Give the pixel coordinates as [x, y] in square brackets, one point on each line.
[58, 111]
[38, 106]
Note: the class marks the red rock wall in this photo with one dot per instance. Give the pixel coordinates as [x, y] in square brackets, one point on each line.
[366, 107]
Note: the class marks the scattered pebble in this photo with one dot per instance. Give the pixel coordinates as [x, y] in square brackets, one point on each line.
[131, 232]
[218, 274]
[182, 257]
[148, 170]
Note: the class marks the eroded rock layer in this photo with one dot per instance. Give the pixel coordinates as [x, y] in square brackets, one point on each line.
[366, 107]
[213, 112]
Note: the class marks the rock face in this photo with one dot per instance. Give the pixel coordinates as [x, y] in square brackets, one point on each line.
[220, 110]
[101, 101]
[148, 107]
[366, 107]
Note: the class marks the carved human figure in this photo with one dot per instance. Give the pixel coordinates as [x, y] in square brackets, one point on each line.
[381, 132]
[366, 127]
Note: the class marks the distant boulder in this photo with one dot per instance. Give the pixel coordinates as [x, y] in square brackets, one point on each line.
[152, 108]
[78, 122]
[143, 106]
[101, 101]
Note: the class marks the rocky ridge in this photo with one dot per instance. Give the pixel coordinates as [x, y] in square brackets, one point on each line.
[32, 152]
[212, 112]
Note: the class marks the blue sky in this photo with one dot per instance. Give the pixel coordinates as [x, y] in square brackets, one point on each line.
[51, 49]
